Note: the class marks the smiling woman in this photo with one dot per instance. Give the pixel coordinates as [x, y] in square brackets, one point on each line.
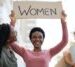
[37, 36]
[39, 57]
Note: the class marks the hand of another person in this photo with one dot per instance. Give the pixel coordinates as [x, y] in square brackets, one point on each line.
[73, 65]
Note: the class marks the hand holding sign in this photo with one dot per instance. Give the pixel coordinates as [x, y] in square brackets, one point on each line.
[63, 15]
[13, 18]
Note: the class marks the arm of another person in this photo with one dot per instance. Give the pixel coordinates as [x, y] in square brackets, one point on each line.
[68, 59]
[53, 51]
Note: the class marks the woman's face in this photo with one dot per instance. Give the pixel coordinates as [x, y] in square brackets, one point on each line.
[37, 39]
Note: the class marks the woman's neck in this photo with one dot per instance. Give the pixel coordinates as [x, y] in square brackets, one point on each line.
[37, 49]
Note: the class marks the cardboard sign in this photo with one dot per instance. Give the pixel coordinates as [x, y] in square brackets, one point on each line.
[37, 9]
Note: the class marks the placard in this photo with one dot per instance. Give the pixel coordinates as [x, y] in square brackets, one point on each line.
[37, 9]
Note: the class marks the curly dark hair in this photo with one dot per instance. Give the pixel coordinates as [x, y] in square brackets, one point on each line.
[4, 35]
[36, 29]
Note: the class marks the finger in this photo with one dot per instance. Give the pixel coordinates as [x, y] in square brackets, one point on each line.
[63, 13]
[12, 13]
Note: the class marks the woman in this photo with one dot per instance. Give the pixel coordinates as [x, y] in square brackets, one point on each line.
[38, 57]
[7, 57]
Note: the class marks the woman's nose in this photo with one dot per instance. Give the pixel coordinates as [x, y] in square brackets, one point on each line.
[36, 38]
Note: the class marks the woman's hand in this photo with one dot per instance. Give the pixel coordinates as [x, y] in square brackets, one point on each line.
[63, 16]
[13, 18]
